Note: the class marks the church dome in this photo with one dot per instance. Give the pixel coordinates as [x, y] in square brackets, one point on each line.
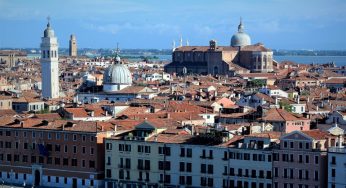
[116, 77]
[240, 38]
[117, 74]
[48, 32]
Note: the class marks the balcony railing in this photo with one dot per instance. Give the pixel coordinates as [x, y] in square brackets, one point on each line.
[337, 149]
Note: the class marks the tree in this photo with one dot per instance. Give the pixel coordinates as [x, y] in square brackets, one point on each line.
[285, 106]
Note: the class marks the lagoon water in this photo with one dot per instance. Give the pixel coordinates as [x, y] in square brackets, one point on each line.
[338, 60]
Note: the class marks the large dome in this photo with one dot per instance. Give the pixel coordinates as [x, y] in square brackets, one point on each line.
[116, 77]
[240, 38]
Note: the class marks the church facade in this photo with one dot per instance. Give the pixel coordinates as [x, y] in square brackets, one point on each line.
[240, 57]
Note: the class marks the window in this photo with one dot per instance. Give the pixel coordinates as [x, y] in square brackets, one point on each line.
[65, 137]
[316, 176]
[25, 159]
[291, 145]
[33, 159]
[108, 146]
[316, 159]
[189, 152]
[300, 145]
[49, 160]
[91, 151]
[108, 173]
[65, 149]
[57, 136]
[91, 164]
[182, 152]
[83, 138]
[333, 160]
[188, 167]
[203, 168]
[333, 173]
[57, 161]
[65, 161]
[285, 144]
[74, 149]
[57, 148]
[83, 163]
[307, 158]
[306, 145]
[56, 179]
[74, 137]
[83, 149]
[49, 136]
[74, 162]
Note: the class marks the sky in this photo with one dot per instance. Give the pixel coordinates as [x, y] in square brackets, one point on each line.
[155, 24]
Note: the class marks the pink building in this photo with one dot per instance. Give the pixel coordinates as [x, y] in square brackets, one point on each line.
[286, 122]
[301, 160]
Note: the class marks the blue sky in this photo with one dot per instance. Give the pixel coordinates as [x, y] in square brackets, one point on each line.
[279, 24]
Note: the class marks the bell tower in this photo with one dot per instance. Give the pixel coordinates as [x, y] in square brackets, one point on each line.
[49, 63]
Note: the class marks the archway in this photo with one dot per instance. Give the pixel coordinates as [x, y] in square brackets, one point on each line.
[37, 178]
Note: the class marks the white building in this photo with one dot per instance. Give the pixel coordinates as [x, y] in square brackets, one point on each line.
[148, 157]
[273, 91]
[49, 64]
[336, 167]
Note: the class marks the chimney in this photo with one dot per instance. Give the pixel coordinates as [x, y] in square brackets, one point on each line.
[92, 113]
[298, 99]
[168, 115]
[22, 124]
[317, 108]
[115, 128]
[102, 128]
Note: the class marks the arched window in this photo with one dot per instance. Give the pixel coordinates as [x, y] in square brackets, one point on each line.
[43, 54]
[48, 54]
[55, 53]
[216, 70]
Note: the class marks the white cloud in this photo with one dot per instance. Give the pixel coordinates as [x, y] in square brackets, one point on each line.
[127, 26]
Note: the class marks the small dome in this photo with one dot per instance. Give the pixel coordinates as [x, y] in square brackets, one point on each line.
[240, 38]
[117, 74]
[48, 32]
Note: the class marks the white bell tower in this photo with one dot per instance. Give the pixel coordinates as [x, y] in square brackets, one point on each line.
[49, 64]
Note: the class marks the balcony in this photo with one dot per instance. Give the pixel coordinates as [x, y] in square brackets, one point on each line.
[337, 150]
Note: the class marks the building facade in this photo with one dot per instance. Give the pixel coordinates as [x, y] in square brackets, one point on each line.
[52, 154]
[301, 160]
[49, 64]
[148, 157]
[336, 167]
